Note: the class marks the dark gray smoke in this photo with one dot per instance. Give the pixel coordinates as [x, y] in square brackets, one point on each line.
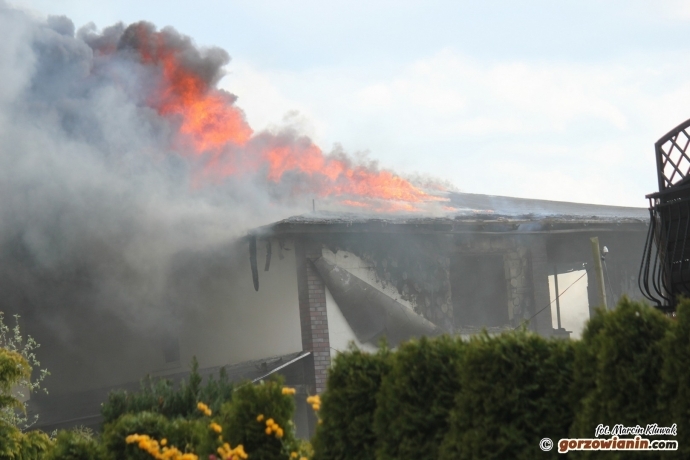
[94, 204]
[115, 235]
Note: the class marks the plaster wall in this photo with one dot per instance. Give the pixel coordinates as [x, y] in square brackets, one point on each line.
[229, 322]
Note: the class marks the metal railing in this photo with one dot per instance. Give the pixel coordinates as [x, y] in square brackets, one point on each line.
[665, 270]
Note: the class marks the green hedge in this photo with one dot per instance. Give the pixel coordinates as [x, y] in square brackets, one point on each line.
[511, 395]
[618, 372]
[489, 397]
[497, 397]
[415, 398]
[675, 374]
[348, 405]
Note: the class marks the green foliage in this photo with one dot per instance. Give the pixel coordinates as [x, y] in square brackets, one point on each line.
[13, 369]
[618, 367]
[11, 339]
[510, 396]
[348, 406]
[9, 441]
[75, 445]
[491, 397]
[240, 424]
[15, 445]
[34, 445]
[415, 398]
[675, 374]
[160, 396]
[114, 435]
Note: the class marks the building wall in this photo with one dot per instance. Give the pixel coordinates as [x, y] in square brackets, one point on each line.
[229, 322]
[210, 311]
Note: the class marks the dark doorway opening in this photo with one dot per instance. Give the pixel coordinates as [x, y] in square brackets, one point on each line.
[479, 291]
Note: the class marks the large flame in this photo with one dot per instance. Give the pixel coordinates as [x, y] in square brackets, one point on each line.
[211, 125]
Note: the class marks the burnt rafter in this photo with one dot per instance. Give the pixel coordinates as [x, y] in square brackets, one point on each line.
[665, 271]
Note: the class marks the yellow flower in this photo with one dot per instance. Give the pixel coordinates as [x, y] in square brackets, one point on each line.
[268, 430]
[288, 391]
[279, 433]
[152, 447]
[204, 408]
[293, 455]
[270, 422]
[260, 417]
[215, 427]
[164, 441]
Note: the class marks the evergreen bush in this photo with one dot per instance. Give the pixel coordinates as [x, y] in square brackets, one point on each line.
[416, 397]
[346, 431]
[511, 395]
[618, 371]
[675, 374]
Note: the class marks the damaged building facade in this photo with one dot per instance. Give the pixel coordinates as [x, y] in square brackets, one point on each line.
[290, 295]
[362, 278]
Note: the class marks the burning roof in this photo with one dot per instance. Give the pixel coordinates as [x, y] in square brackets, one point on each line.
[181, 82]
[473, 213]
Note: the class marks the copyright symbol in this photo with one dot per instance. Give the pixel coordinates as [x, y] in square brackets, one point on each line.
[546, 444]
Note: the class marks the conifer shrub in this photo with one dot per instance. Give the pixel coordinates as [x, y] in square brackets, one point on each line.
[346, 430]
[510, 396]
[416, 396]
[618, 370]
[675, 374]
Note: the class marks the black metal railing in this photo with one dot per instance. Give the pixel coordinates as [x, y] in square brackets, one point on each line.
[665, 270]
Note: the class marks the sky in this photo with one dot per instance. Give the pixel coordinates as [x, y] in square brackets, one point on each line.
[538, 99]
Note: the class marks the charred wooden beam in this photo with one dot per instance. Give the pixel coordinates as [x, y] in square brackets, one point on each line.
[268, 255]
[370, 313]
[252, 262]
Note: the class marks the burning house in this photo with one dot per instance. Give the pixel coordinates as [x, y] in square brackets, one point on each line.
[129, 181]
[317, 282]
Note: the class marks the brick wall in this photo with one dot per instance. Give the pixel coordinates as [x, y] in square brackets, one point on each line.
[312, 312]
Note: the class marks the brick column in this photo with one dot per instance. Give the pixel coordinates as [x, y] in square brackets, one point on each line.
[540, 286]
[312, 312]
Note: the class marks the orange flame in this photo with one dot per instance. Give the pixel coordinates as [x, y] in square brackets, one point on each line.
[211, 124]
[208, 119]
